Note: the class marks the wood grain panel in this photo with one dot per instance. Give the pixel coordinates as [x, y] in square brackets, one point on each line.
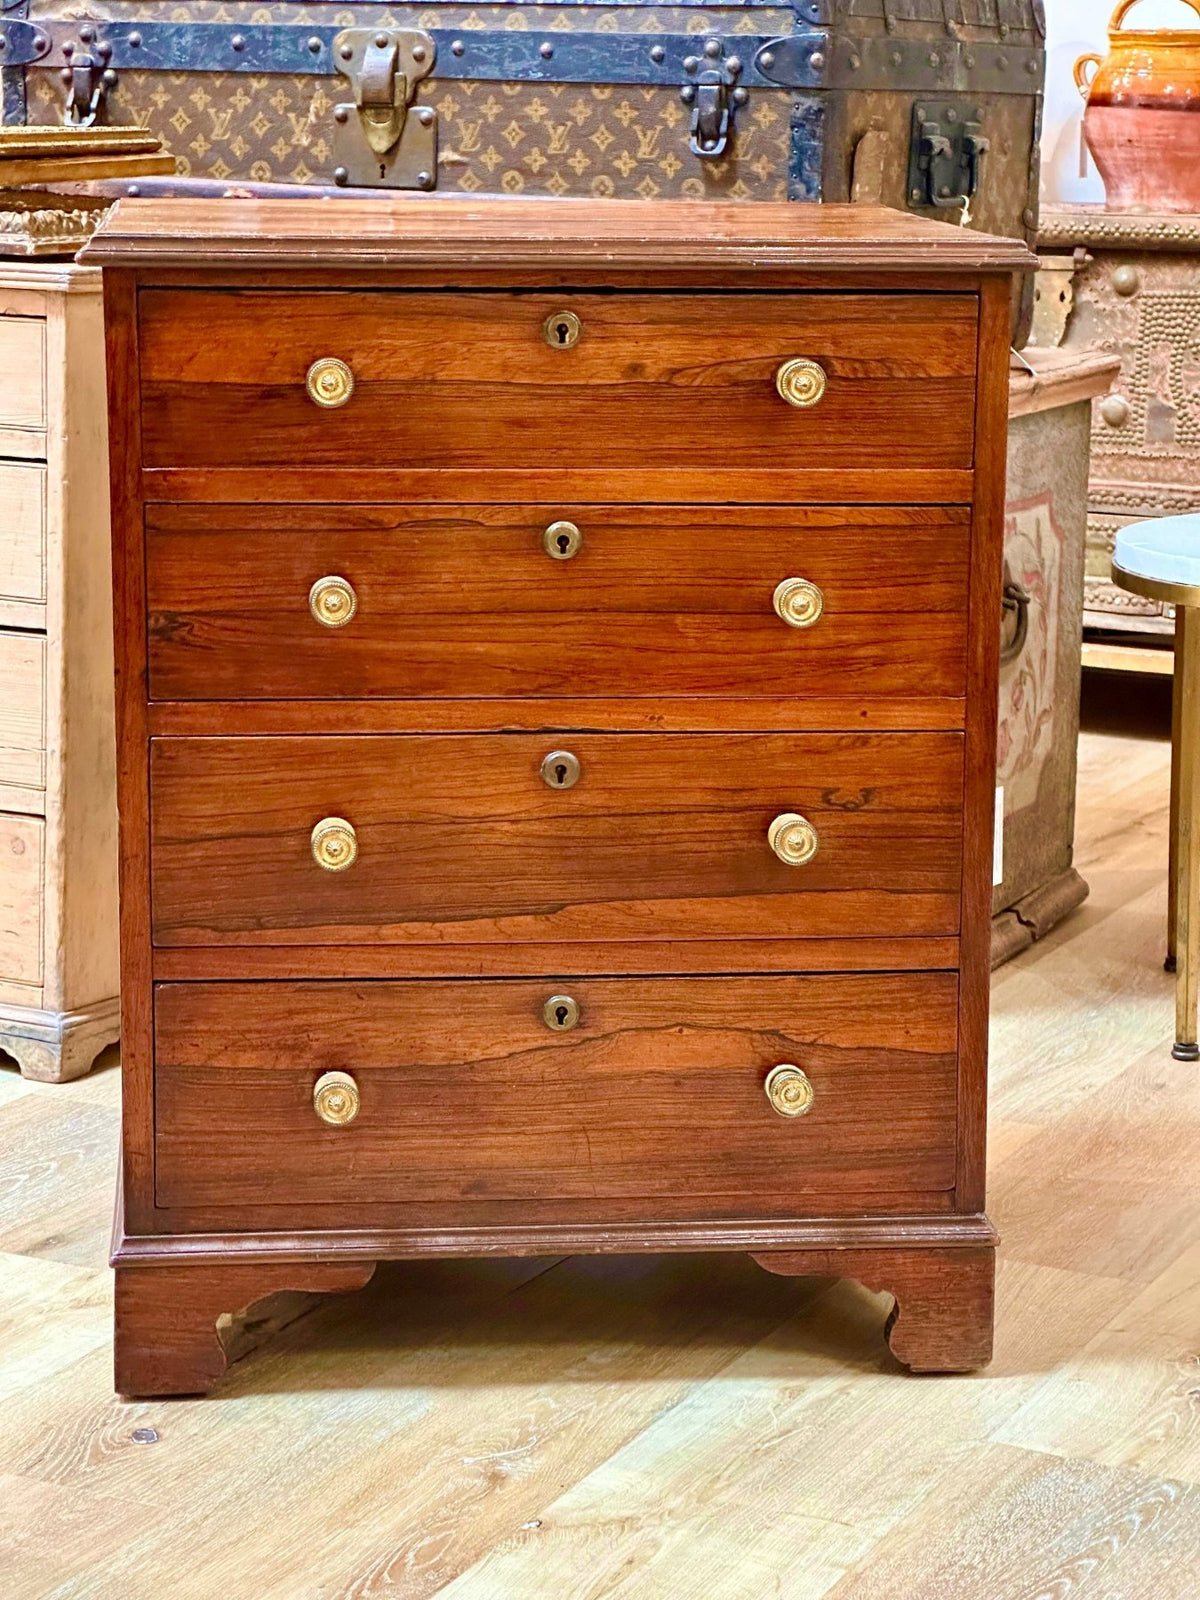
[467, 1095]
[22, 854]
[459, 839]
[22, 530]
[23, 363]
[23, 709]
[466, 602]
[465, 380]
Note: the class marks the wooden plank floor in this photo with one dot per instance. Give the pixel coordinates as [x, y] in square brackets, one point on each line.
[674, 1428]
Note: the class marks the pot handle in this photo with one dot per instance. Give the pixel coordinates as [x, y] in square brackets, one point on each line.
[1119, 15]
[1084, 85]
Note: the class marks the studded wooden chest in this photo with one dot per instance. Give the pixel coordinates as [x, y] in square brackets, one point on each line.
[557, 698]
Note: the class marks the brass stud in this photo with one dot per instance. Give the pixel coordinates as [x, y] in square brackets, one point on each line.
[793, 839]
[332, 602]
[334, 844]
[801, 382]
[788, 1090]
[329, 383]
[335, 1098]
[798, 602]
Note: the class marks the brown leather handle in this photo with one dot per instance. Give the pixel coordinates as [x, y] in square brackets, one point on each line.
[1124, 7]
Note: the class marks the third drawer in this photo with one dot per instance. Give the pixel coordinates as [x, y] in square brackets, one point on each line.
[484, 838]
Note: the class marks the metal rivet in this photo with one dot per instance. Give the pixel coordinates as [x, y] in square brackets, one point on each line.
[1126, 280]
[969, 63]
[134, 190]
[1033, 65]
[346, 51]
[418, 52]
[69, 49]
[108, 79]
[1002, 63]
[144, 1436]
[1029, 217]
[817, 60]
[914, 194]
[314, 44]
[238, 42]
[545, 50]
[340, 175]
[381, 41]
[424, 116]
[740, 96]
[734, 66]
[944, 191]
[457, 47]
[104, 50]
[341, 114]
[935, 60]
[951, 114]
[712, 48]
[65, 75]
[657, 53]
[424, 180]
[897, 58]
[855, 63]
[767, 59]
[688, 93]
[135, 41]
[3, 44]
[691, 63]
[87, 34]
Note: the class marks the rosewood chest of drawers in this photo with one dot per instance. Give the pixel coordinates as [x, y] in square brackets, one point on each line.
[556, 696]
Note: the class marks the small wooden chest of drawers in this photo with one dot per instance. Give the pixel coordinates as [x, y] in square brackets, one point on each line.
[557, 694]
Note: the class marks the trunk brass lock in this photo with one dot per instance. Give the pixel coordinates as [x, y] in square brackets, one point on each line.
[381, 140]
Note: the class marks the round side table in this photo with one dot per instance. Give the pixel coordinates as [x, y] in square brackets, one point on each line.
[1161, 559]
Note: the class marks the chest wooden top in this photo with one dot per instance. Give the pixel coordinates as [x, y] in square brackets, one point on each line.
[560, 235]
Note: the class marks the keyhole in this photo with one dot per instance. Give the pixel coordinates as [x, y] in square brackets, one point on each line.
[563, 332]
[561, 1014]
[560, 773]
[382, 170]
[563, 542]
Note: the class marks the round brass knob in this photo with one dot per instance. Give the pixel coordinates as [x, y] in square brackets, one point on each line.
[330, 383]
[793, 839]
[332, 602]
[334, 844]
[335, 1098]
[800, 382]
[788, 1090]
[798, 602]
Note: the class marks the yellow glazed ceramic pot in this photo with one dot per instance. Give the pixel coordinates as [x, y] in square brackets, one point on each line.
[1142, 121]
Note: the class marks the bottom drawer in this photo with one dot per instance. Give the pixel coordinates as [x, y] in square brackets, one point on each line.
[465, 1092]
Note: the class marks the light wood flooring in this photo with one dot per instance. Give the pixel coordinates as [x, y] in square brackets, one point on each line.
[686, 1429]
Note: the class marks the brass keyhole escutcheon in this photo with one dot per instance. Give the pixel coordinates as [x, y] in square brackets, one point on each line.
[793, 838]
[560, 1013]
[562, 540]
[788, 1090]
[332, 602]
[798, 602]
[330, 383]
[560, 770]
[561, 330]
[334, 844]
[335, 1098]
[800, 382]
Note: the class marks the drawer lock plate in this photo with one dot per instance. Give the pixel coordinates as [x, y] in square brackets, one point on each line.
[381, 140]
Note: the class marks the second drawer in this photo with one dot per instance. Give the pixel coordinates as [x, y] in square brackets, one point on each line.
[493, 837]
[321, 602]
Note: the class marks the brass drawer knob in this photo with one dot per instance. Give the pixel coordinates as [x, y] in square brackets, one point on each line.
[801, 382]
[788, 1090]
[333, 602]
[335, 1098]
[793, 839]
[334, 844]
[330, 383]
[798, 602]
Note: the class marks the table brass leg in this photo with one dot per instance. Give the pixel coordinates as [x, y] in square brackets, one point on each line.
[1173, 866]
[1187, 846]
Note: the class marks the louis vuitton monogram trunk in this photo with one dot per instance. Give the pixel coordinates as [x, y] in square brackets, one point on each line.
[929, 105]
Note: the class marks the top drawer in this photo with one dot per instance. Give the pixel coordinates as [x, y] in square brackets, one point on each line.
[458, 381]
[23, 392]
